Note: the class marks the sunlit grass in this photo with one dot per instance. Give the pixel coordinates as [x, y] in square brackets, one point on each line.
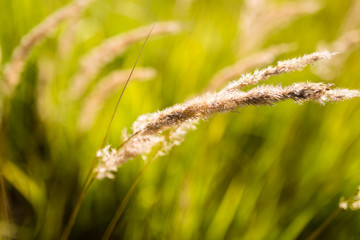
[260, 173]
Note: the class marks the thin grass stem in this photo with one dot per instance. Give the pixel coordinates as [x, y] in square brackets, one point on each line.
[4, 199]
[74, 213]
[123, 204]
[122, 93]
[321, 228]
[89, 180]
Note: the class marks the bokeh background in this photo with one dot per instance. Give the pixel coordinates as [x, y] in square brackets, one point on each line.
[260, 173]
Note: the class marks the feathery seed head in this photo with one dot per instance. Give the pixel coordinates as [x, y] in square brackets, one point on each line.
[149, 129]
[14, 68]
[352, 203]
[286, 66]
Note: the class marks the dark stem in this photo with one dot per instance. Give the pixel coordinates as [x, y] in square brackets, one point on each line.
[321, 228]
[67, 230]
[123, 204]
[4, 199]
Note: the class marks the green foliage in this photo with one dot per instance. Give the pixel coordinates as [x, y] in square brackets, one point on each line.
[262, 173]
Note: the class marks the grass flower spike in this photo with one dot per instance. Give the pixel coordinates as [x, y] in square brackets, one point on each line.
[149, 130]
[286, 66]
[352, 203]
[14, 68]
[92, 63]
[77, 106]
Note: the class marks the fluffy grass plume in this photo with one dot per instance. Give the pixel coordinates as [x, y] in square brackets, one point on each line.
[147, 129]
[348, 39]
[286, 66]
[92, 63]
[252, 173]
[14, 68]
[261, 17]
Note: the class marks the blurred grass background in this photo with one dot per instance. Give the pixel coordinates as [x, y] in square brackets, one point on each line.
[261, 173]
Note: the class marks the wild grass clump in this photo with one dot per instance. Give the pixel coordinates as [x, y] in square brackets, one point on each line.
[147, 129]
[68, 89]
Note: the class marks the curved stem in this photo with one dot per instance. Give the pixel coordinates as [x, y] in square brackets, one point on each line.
[89, 179]
[4, 199]
[67, 230]
[123, 204]
[127, 140]
[321, 228]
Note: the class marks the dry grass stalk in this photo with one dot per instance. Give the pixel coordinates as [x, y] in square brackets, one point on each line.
[92, 63]
[14, 68]
[352, 19]
[255, 60]
[105, 88]
[224, 101]
[344, 44]
[46, 72]
[148, 129]
[259, 19]
[286, 66]
[66, 40]
[348, 39]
